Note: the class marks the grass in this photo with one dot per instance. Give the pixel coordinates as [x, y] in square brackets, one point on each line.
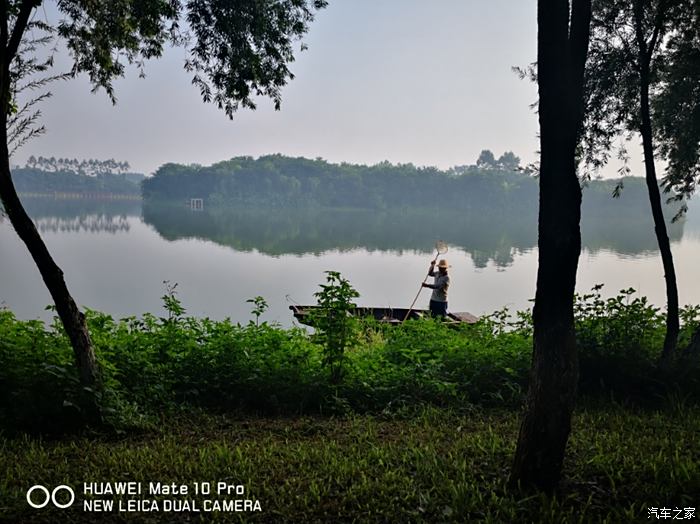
[433, 465]
[419, 425]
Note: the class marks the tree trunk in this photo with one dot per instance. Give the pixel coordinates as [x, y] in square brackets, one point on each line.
[672, 320]
[672, 315]
[554, 374]
[72, 318]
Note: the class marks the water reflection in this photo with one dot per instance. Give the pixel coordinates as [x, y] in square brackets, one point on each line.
[489, 237]
[276, 253]
[88, 223]
[493, 237]
[53, 215]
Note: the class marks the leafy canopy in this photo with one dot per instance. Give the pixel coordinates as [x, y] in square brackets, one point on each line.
[677, 108]
[237, 49]
[661, 37]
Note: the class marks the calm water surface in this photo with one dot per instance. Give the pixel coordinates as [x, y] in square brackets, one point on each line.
[117, 255]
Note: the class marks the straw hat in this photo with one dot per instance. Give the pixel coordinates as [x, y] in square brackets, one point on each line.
[443, 264]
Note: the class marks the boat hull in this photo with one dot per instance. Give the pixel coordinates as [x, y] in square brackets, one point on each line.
[304, 314]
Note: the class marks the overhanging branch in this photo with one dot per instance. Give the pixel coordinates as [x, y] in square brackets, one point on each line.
[18, 30]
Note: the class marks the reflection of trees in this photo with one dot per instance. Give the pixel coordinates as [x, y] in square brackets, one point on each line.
[489, 236]
[495, 236]
[39, 207]
[89, 223]
[56, 215]
[279, 232]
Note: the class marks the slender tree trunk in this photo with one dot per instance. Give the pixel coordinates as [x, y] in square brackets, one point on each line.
[72, 318]
[672, 320]
[562, 50]
[672, 316]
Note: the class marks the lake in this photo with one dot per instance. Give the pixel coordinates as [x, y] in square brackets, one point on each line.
[116, 255]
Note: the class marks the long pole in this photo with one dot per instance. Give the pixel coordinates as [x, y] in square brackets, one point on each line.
[420, 289]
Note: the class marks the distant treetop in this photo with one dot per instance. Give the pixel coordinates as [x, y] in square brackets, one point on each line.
[506, 162]
[88, 167]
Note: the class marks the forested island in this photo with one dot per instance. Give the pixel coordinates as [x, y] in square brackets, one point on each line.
[488, 187]
[278, 204]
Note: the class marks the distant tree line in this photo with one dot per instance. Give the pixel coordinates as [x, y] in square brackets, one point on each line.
[89, 167]
[280, 181]
[48, 175]
[300, 182]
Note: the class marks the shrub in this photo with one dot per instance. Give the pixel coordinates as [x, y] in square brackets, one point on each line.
[337, 329]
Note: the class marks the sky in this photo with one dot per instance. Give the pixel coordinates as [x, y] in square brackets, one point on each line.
[428, 83]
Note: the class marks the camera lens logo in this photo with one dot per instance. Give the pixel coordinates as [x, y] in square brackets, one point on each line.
[46, 496]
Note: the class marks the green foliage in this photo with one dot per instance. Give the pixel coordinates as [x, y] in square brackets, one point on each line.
[486, 159]
[156, 364]
[243, 48]
[436, 363]
[29, 73]
[619, 339]
[38, 382]
[64, 175]
[677, 105]
[277, 180]
[86, 167]
[506, 162]
[171, 303]
[260, 307]
[652, 44]
[237, 49]
[337, 329]
[32, 180]
[690, 321]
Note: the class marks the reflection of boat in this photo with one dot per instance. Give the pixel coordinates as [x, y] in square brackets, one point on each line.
[382, 314]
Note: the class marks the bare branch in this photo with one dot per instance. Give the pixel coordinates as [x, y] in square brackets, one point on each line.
[3, 22]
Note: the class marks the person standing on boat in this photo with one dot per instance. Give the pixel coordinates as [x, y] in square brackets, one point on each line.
[438, 301]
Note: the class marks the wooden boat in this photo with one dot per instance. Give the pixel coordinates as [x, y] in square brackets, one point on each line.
[385, 315]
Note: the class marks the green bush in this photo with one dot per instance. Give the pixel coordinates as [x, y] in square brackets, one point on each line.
[337, 329]
[39, 386]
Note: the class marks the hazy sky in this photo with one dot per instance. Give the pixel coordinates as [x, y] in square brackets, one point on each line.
[399, 80]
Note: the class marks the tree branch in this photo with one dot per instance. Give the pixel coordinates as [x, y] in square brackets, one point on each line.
[642, 49]
[653, 42]
[579, 34]
[18, 30]
[3, 22]
[659, 21]
[632, 55]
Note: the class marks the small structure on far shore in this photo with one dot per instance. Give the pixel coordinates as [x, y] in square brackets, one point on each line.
[196, 204]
